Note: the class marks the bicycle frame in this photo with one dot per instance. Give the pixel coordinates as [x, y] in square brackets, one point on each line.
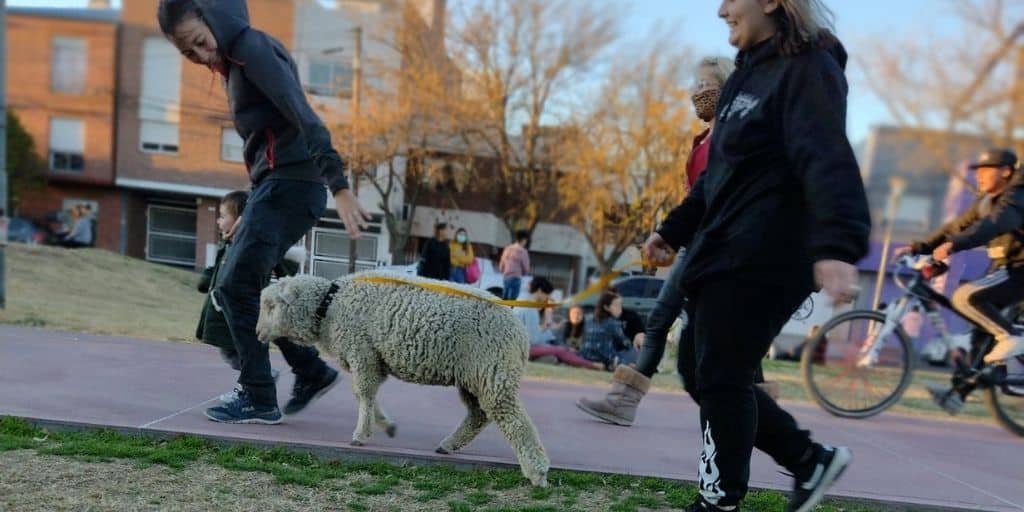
[917, 292]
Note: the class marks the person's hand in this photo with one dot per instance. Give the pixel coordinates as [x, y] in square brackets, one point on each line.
[943, 251]
[351, 213]
[658, 251]
[230, 235]
[638, 340]
[902, 251]
[837, 279]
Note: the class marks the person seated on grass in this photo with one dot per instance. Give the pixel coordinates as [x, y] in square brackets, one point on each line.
[543, 337]
[604, 340]
[570, 332]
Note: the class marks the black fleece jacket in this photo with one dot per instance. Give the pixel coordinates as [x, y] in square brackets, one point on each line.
[267, 102]
[782, 189]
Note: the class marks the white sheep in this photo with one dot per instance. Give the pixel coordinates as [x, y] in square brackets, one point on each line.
[419, 336]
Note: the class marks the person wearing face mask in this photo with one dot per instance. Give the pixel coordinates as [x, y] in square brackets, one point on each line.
[461, 255]
[779, 212]
[629, 383]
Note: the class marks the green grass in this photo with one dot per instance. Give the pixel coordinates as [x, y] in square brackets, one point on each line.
[91, 290]
[404, 486]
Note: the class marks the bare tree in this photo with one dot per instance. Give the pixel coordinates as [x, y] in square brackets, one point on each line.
[972, 83]
[518, 60]
[626, 160]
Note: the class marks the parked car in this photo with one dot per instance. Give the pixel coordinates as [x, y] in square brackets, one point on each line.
[23, 230]
[490, 278]
[639, 293]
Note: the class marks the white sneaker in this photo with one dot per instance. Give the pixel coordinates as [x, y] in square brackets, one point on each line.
[1006, 348]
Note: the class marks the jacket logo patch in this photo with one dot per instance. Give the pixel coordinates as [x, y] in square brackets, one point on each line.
[742, 106]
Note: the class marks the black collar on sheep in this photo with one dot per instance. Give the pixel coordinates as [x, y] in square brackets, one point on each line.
[321, 311]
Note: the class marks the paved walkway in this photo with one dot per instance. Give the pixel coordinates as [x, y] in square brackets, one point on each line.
[164, 387]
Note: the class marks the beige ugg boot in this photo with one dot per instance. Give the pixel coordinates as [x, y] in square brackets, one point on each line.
[619, 405]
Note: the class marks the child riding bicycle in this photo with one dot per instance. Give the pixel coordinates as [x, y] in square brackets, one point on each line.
[996, 220]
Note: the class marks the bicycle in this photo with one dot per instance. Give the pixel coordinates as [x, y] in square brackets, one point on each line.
[861, 362]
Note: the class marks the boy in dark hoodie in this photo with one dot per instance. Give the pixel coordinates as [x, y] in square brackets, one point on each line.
[995, 220]
[289, 157]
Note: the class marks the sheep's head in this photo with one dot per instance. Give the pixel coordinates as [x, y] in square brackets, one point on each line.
[288, 310]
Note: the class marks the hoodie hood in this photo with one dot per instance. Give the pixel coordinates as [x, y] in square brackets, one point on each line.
[226, 19]
[836, 50]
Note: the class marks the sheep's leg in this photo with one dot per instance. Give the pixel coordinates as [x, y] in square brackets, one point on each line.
[383, 421]
[366, 380]
[475, 421]
[503, 406]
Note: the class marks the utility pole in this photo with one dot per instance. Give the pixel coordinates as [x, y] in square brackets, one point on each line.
[357, 85]
[3, 152]
[897, 186]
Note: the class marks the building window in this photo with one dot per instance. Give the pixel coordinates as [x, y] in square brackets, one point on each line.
[231, 145]
[69, 64]
[330, 253]
[328, 78]
[160, 100]
[171, 235]
[67, 144]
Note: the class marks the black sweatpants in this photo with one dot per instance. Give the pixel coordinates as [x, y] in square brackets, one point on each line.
[670, 304]
[279, 212]
[733, 324]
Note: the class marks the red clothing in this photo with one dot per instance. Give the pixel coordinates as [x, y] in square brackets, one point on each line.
[698, 160]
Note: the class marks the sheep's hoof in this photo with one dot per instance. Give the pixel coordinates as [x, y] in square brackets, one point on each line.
[356, 442]
[391, 430]
[442, 451]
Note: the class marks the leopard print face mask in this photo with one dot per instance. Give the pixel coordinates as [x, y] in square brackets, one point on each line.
[705, 102]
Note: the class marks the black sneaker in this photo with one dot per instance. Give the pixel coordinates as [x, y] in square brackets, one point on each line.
[242, 410]
[809, 491]
[305, 392]
[946, 398]
[699, 505]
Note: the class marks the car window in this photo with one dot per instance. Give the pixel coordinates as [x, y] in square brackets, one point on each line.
[653, 288]
[631, 287]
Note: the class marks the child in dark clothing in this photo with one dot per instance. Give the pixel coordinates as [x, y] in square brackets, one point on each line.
[213, 327]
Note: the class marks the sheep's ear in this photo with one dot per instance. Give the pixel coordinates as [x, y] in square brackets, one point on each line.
[287, 291]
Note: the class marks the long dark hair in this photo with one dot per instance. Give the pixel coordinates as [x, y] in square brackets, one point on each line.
[171, 13]
[802, 25]
[575, 331]
[601, 310]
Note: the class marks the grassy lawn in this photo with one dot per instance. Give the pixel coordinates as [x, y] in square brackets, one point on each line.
[111, 471]
[90, 290]
[95, 291]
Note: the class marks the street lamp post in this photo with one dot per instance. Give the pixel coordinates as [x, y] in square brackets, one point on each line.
[897, 186]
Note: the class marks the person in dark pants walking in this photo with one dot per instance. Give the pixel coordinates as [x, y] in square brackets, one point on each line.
[780, 211]
[435, 258]
[289, 157]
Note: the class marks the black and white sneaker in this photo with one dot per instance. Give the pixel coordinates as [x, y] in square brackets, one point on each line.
[946, 398]
[810, 486]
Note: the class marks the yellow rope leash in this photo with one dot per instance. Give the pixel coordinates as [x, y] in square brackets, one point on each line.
[440, 287]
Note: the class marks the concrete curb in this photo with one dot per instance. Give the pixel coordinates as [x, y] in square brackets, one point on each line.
[404, 457]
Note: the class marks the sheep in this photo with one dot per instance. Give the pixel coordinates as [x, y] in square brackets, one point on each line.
[419, 336]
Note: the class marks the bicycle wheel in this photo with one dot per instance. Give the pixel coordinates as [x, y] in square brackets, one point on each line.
[834, 377]
[1006, 403]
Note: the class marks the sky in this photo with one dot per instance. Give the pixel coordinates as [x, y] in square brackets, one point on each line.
[694, 23]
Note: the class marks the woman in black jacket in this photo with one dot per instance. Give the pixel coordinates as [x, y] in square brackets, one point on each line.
[780, 211]
[289, 159]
